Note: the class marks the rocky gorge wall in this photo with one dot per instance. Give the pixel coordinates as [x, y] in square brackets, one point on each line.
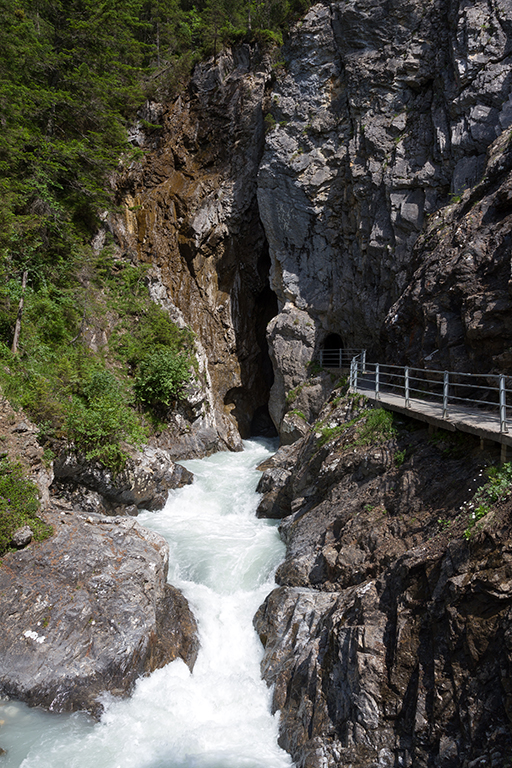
[298, 187]
[383, 115]
[190, 212]
[387, 640]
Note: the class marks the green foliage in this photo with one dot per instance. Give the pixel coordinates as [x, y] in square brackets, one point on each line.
[498, 487]
[270, 122]
[328, 433]
[377, 428]
[152, 329]
[314, 368]
[19, 505]
[161, 378]
[293, 394]
[399, 458]
[297, 412]
[72, 77]
[99, 420]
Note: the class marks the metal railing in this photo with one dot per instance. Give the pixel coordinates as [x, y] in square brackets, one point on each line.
[338, 358]
[488, 392]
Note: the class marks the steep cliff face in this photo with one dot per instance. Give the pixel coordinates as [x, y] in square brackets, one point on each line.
[377, 118]
[388, 639]
[190, 211]
[456, 313]
[383, 113]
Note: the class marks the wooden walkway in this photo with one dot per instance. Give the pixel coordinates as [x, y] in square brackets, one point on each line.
[482, 424]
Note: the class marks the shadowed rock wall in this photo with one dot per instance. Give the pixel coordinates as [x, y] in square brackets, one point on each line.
[383, 113]
[190, 211]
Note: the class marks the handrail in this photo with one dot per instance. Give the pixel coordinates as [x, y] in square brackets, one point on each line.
[487, 391]
[337, 358]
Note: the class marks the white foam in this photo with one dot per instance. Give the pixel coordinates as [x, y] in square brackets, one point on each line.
[223, 558]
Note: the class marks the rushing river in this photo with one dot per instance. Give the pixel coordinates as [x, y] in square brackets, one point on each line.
[223, 559]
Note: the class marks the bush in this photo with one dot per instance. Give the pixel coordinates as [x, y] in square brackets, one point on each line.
[152, 330]
[377, 428]
[19, 505]
[161, 378]
[498, 487]
[99, 420]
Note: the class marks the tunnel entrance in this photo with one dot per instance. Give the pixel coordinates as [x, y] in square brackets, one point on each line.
[332, 352]
[249, 402]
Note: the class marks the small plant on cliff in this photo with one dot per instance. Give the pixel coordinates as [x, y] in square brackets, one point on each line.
[19, 505]
[314, 368]
[161, 378]
[377, 428]
[498, 487]
[297, 412]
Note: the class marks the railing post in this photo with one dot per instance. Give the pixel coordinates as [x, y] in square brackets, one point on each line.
[363, 360]
[406, 384]
[377, 372]
[356, 364]
[503, 405]
[446, 383]
[351, 379]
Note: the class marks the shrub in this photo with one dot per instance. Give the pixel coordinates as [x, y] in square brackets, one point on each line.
[498, 487]
[161, 378]
[377, 428]
[19, 505]
[99, 419]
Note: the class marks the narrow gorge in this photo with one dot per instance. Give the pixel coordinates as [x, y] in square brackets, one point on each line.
[349, 190]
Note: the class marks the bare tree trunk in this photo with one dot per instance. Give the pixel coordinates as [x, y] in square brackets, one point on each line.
[158, 43]
[17, 327]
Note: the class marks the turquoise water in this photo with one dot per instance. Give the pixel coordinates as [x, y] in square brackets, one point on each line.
[223, 558]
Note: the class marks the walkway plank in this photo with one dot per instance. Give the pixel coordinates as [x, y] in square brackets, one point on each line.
[475, 421]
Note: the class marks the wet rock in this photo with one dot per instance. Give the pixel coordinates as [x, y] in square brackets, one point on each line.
[88, 611]
[386, 636]
[275, 502]
[143, 483]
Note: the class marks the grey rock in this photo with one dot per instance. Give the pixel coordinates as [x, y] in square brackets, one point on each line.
[144, 482]
[384, 634]
[381, 115]
[22, 537]
[88, 611]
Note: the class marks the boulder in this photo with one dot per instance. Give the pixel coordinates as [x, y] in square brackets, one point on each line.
[143, 483]
[22, 537]
[88, 611]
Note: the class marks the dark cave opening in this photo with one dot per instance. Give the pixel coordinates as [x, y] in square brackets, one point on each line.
[331, 351]
[261, 423]
[250, 400]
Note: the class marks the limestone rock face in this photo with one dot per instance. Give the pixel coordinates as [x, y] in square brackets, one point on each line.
[456, 313]
[382, 114]
[89, 611]
[387, 637]
[190, 211]
[144, 483]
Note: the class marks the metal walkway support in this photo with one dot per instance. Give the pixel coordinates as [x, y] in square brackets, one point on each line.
[478, 404]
